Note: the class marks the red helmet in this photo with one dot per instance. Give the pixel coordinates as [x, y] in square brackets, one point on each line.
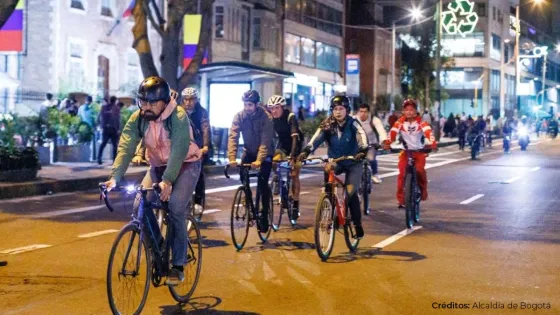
[409, 102]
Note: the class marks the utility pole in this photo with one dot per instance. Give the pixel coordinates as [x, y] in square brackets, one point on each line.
[438, 69]
[393, 48]
[517, 68]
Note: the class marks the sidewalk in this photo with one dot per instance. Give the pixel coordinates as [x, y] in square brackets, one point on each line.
[68, 177]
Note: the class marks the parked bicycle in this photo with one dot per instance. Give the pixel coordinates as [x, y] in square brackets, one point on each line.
[283, 180]
[245, 213]
[140, 255]
[412, 192]
[332, 212]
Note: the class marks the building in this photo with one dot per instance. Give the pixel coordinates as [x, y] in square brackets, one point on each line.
[67, 48]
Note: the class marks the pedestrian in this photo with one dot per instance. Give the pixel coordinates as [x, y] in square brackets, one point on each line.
[46, 105]
[449, 127]
[85, 112]
[109, 120]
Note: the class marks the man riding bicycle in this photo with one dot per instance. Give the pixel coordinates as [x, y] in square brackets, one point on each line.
[345, 137]
[255, 123]
[201, 125]
[290, 140]
[165, 131]
[412, 131]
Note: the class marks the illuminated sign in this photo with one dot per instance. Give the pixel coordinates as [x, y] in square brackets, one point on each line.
[460, 18]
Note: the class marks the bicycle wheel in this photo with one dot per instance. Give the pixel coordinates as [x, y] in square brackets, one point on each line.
[283, 201]
[409, 197]
[324, 227]
[239, 218]
[350, 233]
[128, 272]
[264, 236]
[182, 292]
[416, 214]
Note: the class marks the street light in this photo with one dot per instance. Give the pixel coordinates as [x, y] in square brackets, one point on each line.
[415, 14]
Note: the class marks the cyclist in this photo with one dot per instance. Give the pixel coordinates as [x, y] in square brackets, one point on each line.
[201, 125]
[376, 135]
[165, 131]
[345, 137]
[412, 131]
[255, 123]
[290, 140]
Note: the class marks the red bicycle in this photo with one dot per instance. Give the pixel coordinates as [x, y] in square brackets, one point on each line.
[332, 212]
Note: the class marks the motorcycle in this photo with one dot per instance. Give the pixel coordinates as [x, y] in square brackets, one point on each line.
[523, 137]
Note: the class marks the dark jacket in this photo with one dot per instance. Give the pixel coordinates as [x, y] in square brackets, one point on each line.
[110, 117]
[201, 122]
[258, 132]
[290, 136]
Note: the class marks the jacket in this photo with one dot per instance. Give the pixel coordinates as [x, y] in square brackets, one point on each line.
[109, 117]
[377, 126]
[290, 136]
[201, 122]
[412, 133]
[167, 141]
[258, 132]
[347, 139]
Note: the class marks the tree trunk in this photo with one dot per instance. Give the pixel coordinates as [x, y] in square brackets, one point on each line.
[141, 41]
[427, 91]
[7, 7]
[172, 51]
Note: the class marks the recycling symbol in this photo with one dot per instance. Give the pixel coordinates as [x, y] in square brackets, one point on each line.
[460, 18]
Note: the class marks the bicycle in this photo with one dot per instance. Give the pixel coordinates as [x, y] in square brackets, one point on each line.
[332, 212]
[412, 192]
[475, 145]
[245, 213]
[284, 199]
[366, 186]
[142, 253]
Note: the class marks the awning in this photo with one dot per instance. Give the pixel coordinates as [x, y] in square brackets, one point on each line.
[235, 71]
[7, 81]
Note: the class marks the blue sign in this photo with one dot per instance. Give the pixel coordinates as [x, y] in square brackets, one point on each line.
[353, 75]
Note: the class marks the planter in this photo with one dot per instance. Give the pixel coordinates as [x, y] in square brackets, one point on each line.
[21, 175]
[44, 155]
[73, 153]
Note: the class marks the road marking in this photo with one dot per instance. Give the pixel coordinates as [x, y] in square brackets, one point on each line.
[534, 169]
[396, 237]
[249, 286]
[24, 249]
[211, 211]
[72, 211]
[38, 197]
[234, 187]
[466, 202]
[387, 168]
[268, 272]
[98, 233]
[511, 180]
[304, 193]
[297, 276]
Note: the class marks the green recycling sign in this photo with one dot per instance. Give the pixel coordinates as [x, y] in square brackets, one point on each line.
[460, 18]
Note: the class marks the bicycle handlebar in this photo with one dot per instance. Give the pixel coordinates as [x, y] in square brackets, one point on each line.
[331, 160]
[226, 168]
[104, 192]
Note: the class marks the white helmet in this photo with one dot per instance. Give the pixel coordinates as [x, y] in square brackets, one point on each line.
[189, 93]
[276, 100]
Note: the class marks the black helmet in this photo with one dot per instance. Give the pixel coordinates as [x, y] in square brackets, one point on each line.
[251, 96]
[154, 89]
[340, 100]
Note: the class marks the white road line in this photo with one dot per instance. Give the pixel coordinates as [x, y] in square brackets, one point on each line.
[396, 237]
[98, 233]
[269, 274]
[72, 211]
[511, 180]
[24, 249]
[466, 202]
[387, 168]
[37, 197]
[297, 276]
[304, 193]
[211, 211]
[234, 187]
[249, 286]
[534, 169]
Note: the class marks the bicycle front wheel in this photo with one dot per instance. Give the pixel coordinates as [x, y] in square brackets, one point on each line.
[239, 218]
[182, 292]
[283, 201]
[409, 196]
[350, 233]
[128, 272]
[264, 235]
[324, 227]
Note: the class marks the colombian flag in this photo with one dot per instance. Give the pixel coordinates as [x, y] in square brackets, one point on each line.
[11, 34]
[128, 11]
[191, 34]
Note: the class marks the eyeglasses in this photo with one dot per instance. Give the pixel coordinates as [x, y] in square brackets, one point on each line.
[144, 103]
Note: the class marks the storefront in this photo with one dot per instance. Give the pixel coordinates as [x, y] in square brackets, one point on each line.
[308, 92]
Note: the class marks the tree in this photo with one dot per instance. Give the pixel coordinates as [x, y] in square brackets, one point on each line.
[170, 33]
[7, 7]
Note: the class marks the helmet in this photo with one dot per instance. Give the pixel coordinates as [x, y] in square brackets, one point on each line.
[340, 100]
[409, 102]
[251, 96]
[276, 100]
[154, 89]
[189, 93]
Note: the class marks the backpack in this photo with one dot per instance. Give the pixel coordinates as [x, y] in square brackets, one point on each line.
[106, 116]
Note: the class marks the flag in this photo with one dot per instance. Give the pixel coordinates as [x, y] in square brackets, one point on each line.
[11, 34]
[128, 11]
[191, 33]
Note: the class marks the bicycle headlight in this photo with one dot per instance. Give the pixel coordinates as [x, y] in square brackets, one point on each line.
[523, 131]
[130, 189]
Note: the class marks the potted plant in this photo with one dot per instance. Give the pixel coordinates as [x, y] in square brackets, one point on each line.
[16, 164]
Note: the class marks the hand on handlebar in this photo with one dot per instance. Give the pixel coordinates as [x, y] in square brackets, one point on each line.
[110, 184]
[387, 145]
[166, 189]
[360, 156]
[256, 164]
[232, 163]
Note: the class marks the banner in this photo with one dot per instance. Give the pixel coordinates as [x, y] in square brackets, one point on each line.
[11, 34]
[353, 75]
[191, 34]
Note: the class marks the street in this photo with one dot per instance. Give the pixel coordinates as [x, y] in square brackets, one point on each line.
[488, 240]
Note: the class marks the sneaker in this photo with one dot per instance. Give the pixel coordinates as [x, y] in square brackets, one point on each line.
[359, 231]
[198, 209]
[295, 213]
[376, 179]
[175, 277]
[366, 211]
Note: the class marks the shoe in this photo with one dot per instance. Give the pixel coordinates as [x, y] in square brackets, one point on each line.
[99, 162]
[359, 231]
[376, 179]
[175, 277]
[295, 213]
[366, 211]
[263, 226]
[198, 209]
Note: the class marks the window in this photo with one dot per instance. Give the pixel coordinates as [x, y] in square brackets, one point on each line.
[133, 68]
[494, 13]
[472, 45]
[328, 57]
[245, 32]
[106, 8]
[77, 4]
[322, 15]
[219, 22]
[292, 48]
[309, 12]
[496, 50]
[500, 17]
[481, 9]
[495, 81]
[257, 32]
[76, 64]
[308, 52]
[293, 10]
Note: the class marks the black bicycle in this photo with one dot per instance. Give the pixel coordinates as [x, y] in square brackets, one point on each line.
[412, 192]
[283, 180]
[366, 186]
[245, 213]
[140, 255]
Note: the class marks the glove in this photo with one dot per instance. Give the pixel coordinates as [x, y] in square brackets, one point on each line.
[256, 164]
[303, 156]
[360, 156]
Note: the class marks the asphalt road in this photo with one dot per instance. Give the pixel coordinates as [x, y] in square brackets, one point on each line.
[489, 237]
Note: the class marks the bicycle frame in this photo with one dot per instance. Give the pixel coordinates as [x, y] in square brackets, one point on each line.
[245, 175]
[334, 182]
[282, 166]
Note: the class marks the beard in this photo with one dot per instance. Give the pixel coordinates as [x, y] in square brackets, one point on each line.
[149, 115]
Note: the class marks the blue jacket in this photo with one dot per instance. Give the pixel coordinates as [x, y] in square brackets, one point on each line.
[346, 140]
